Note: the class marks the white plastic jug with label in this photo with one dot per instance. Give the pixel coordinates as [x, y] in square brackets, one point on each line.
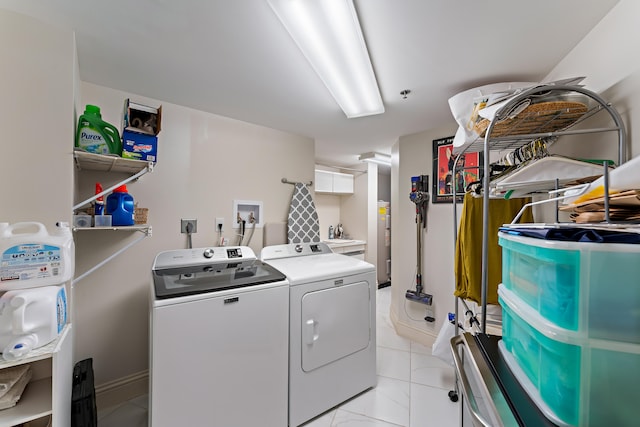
[30, 256]
[31, 318]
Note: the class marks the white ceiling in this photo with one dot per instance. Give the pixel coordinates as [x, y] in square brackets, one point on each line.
[233, 58]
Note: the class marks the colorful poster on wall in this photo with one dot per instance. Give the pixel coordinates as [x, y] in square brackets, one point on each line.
[468, 170]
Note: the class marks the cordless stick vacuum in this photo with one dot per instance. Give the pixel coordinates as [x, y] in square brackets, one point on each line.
[420, 196]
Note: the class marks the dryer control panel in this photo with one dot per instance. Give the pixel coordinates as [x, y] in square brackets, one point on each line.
[294, 250]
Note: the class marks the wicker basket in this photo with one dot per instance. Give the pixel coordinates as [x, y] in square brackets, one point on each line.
[140, 215]
[536, 118]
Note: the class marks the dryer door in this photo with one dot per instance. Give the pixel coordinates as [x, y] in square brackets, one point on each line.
[335, 323]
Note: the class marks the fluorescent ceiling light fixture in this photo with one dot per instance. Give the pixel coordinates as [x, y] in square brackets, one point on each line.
[379, 158]
[329, 35]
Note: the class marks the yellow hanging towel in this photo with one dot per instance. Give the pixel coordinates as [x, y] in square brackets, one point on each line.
[468, 261]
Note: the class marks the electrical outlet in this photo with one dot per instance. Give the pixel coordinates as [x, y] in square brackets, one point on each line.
[185, 222]
[219, 224]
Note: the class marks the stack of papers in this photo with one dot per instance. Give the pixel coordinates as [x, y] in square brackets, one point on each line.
[13, 381]
[623, 206]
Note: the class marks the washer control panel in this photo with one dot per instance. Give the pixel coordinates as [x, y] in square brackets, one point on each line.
[197, 256]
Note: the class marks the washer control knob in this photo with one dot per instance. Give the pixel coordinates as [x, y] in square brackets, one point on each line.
[208, 253]
[298, 248]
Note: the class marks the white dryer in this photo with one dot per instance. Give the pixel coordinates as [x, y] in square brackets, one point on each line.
[332, 331]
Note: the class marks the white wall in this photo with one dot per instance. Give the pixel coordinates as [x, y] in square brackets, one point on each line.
[371, 215]
[37, 121]
[413, 156]
[328, 208]
[205, 162]
[609, 53]
[608, 57]
[384, 184]
[353, 208]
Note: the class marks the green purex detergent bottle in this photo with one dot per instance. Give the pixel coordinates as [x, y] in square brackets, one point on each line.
[95, 135]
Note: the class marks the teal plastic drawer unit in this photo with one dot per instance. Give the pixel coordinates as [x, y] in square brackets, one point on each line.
[573, 379]
[591, 288]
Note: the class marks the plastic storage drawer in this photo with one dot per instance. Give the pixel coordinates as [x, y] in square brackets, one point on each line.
[574, 380]
[592, 288]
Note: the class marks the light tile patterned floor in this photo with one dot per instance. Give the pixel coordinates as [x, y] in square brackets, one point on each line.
[411, 392]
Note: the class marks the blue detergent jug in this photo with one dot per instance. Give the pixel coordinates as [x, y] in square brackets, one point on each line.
[120, 206]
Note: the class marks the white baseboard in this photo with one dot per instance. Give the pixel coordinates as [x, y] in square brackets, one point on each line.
[408, 331]
[123, 389]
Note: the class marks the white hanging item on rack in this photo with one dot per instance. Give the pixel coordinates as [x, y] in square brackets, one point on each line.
[475, 108]
[466, 105]
[541, 174]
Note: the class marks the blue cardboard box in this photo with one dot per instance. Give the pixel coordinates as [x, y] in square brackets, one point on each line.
[139, 146]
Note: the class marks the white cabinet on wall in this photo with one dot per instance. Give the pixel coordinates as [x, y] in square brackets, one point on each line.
[342, 183]
[324, 182]
[333, 182]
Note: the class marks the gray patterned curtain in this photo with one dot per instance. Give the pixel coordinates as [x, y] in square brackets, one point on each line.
[303, 225]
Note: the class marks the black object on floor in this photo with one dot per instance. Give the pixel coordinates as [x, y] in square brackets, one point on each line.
[83, 396]
[384, 285]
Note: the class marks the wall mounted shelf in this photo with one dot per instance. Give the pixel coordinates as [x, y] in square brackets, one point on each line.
[107, 163]
[101, 162]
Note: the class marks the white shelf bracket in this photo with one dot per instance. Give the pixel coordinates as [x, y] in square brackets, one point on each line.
[146, 233]
[149, 168]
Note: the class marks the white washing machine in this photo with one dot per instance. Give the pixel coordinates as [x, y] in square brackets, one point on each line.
[332, 331]
[219, 332]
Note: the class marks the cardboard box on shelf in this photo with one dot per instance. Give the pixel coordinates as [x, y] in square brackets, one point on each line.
[139, 146]
[141, 118]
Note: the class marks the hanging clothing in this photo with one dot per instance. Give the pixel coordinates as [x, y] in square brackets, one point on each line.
[468, 260]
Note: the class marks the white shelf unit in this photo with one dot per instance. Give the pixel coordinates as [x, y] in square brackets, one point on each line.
[105, 163]
[48, 394]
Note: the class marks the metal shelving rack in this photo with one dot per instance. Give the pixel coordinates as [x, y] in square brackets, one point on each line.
[105, 163]
[492, 142]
